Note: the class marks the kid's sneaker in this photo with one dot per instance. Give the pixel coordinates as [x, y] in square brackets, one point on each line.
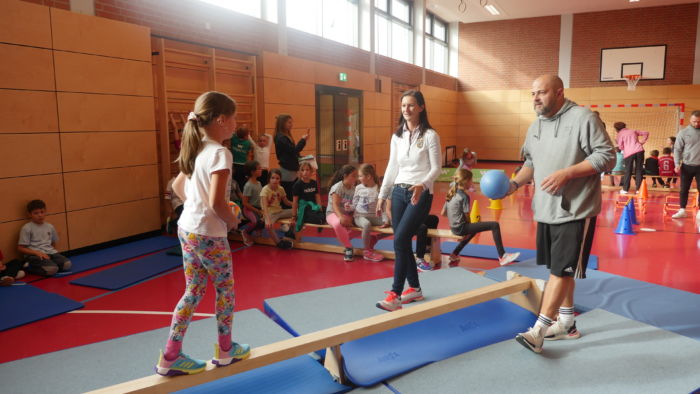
[423, 265]
[454, 260]
[182, 365]
[371, 255]
[557, 331]
[409, 295]
[531, 340]
[285, 244]
[508, 258]
[348, 255]
[238, 352]
[391, 303]
[247, 241]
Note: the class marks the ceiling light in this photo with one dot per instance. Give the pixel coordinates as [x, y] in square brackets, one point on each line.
[634, 1]
[491, 9]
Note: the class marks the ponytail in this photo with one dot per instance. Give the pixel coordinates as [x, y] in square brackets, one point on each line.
[461, 175]
[339, 175]
[208, 107]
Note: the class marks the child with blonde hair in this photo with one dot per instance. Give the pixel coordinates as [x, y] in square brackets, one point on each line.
[339, 211]
[456, 209]
[203, 183]
[364, 205]
[272, 196]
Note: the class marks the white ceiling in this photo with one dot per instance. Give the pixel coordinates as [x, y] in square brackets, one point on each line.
[515, 9]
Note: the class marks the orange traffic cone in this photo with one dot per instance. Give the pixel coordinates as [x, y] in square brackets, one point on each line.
[643, 193]
[474, 215]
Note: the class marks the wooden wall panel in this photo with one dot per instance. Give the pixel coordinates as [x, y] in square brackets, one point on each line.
[29, 154]
[99, 112]
[89, 151]
[86, 34]
[24, 23]
[102, 224]
[89, 189]
[76, 72]
[17, 192]
[288, 92]
[25, 111]
[26, 68]
[10, 234]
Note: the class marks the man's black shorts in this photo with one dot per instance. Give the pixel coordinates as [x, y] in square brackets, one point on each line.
[564, 248]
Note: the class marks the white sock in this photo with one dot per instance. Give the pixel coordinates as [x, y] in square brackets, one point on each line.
[566, 316]
[542, 323]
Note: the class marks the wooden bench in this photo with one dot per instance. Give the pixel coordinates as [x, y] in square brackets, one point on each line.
[523, 291]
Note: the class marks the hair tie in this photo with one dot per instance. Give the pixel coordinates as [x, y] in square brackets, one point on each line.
[192, 116]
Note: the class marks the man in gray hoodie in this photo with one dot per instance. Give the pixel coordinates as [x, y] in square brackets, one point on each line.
[565, 151]
[686, 153]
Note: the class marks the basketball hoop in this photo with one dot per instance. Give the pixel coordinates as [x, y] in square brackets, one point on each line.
[632, 80]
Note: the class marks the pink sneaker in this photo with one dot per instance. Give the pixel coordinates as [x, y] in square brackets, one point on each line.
[508, 258]
[391, 303]
[371, 255]
[409, 295]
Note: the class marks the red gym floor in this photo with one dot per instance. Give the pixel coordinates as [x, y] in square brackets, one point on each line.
[669, 256]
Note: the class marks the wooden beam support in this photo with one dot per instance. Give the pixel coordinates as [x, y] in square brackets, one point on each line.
[334, 336]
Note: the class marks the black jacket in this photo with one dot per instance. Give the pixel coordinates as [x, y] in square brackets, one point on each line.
[287, 153]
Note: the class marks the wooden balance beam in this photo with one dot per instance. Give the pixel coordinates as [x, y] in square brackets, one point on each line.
[333, 337]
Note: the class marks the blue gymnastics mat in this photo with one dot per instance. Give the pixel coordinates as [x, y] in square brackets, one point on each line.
[372, 359]
[471, 250]
[660, 306]
[129, 273]
[115, 254]
[22, 304]
[118, 360]
[613, 355]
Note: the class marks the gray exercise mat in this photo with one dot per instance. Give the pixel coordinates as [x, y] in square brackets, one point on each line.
[613, 355]
[101, 364]
[378, 389]
[319, 309]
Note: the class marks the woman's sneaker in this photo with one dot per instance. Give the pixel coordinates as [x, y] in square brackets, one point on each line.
[557, 331]
[423, 265]
[508, 258]
[371, 255]
[238, 352]
[531, 339]
[391, 303]
[409, 295]
[348, 255]
[181, 365]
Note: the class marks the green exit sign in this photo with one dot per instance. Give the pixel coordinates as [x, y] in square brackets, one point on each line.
[343, 77]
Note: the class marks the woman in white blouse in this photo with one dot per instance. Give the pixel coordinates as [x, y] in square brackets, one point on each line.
[414, 165]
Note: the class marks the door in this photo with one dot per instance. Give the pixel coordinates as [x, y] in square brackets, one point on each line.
[339, 121]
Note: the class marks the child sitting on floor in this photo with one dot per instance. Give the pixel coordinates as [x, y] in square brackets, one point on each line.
[364, 206]
[37, 243]
[339, 211]
[10, 271]
[306, 199]
[271, 197]
[457, 208]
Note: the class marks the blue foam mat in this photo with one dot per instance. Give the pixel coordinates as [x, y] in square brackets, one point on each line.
[302, 375]
[471, 250]
[115, 254]
[129, 273]
[372, 359]
[664, 307]
[24, 304]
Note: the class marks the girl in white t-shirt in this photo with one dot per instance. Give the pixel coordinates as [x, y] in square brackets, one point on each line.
[203, 183]
[364, 204]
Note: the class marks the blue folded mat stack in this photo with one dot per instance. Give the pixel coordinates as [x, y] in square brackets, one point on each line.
[660, 306]
[22, 303]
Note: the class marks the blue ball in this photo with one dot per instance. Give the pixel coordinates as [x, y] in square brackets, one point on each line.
[494, 184]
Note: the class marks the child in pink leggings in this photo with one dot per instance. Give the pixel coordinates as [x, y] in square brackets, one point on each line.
[339, 211]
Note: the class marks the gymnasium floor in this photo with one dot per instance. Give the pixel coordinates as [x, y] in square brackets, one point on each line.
[668, 257]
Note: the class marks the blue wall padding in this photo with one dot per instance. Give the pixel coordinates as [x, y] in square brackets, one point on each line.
[660, 306]
[372, 359]
[129, 273]
[300, 375]
[115, 254]
[22, 304]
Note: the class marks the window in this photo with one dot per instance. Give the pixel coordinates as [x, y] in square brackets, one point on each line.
[436, 44]
[266, 9]
[336, 20]
[393, 31]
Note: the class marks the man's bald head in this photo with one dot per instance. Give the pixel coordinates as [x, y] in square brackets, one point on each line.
[547, 95]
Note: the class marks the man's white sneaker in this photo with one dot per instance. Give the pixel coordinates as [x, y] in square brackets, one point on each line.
[680, 214]
[623, 192]
[531, 340]
[558, 331]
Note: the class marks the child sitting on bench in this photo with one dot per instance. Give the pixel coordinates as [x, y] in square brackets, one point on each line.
[456, 209]
[306, 200]
[364, 205]
[339, 211]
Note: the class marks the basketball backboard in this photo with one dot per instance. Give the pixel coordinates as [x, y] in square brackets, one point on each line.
[647, 61]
